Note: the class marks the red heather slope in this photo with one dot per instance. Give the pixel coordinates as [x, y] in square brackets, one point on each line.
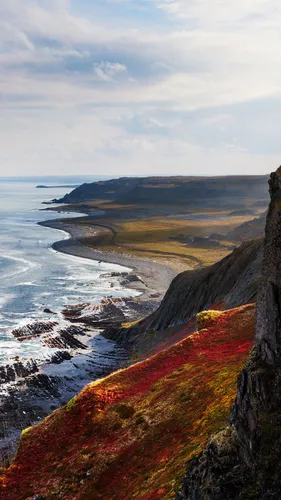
[128, 436]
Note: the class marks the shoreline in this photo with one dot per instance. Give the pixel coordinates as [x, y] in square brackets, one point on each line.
[46, 387]
[155, 278]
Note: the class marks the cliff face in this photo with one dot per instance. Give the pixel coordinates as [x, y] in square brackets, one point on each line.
[231, 282]
[268, 322]
[244, 460]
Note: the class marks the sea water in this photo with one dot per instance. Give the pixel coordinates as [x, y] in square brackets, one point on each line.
[34, 277]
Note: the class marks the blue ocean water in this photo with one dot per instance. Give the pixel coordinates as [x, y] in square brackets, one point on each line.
[32, 275]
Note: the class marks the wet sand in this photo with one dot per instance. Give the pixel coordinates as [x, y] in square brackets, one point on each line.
[155, 277]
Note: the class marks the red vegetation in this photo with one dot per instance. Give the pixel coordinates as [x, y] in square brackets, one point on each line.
[129, 435]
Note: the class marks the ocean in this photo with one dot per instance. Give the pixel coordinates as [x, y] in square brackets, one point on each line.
[33, 276]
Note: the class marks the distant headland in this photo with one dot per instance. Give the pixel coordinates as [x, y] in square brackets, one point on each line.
[42, 186]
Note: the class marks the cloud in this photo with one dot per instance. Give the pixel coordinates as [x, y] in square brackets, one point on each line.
[139, 84]
[219, 14]
[108, 71]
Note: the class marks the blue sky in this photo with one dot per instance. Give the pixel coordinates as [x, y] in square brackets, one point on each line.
[125, 87]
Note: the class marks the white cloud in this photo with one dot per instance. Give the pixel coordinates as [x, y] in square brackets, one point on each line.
[55, 63]
[219, 14]
[108, 71]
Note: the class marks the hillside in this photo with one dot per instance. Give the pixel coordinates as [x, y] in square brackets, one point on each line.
[128, 436]
[249, 230]
[231, 192]
[232, 282]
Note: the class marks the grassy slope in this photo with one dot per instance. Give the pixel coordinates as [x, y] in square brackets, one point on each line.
[129, 435]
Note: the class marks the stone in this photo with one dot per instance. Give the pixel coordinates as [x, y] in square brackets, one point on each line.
[48, 311]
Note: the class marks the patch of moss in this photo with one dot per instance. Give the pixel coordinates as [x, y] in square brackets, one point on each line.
[70, 405]
[25, 433]
[205, 317]
[129, 324]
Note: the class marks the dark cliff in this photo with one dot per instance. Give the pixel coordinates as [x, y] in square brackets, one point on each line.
[233, 281]
[244, 460]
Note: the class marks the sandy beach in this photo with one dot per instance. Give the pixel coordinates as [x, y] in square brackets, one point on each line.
[155, 278]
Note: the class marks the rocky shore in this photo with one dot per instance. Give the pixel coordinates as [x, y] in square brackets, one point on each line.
[78, 353]
[32, 388]
[150, 278]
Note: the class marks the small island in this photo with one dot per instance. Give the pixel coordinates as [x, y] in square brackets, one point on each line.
[42, 186]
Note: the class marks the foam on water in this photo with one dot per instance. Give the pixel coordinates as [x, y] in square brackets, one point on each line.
[26, 265]
[99, 266]
[33, 276]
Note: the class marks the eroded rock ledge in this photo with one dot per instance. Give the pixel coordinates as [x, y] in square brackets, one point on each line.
[30, 389]
[243, 461]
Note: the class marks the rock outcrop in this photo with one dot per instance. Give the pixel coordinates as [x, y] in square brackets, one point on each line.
[244, 460]
[32, 388]
[107, 312]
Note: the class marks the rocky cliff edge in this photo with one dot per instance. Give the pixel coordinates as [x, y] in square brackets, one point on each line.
[243, 461]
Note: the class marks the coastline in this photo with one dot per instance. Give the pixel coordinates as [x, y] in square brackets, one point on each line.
[155, 278]
[87, 356]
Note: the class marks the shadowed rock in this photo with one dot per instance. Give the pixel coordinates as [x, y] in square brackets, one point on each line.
[107, 313]
[268, 320]
[19, 369]
[244, 460]
[33, 330]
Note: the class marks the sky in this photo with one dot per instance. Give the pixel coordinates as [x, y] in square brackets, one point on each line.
[140, 87]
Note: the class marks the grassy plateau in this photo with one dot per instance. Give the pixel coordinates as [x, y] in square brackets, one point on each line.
[168, 235]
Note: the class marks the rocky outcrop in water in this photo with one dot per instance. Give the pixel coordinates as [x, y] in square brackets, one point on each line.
[76, 355]
[107, 312]
[51, 335]
[244, 460]
[84, 316]
[19, 369]
[33, 330]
